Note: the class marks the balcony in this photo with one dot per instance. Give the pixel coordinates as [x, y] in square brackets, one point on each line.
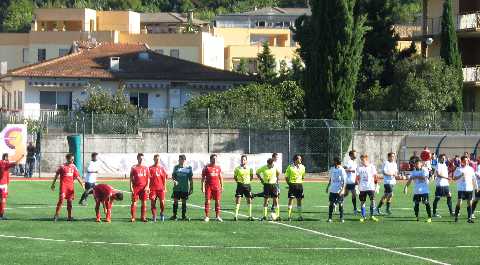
[471, 74]
[468, 22]
[464, 23]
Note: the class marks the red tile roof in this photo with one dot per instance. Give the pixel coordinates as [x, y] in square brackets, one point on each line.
[93, 61]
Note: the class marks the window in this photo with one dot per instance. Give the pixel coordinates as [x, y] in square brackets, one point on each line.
[20, 100]
[48, 100]
[25, 55]
[4, 99]
[175, 53]
[41, 55]
[15, 99]
[139, 99]
[63, 52]
[52, 100]
[159, 51]
[64, 100]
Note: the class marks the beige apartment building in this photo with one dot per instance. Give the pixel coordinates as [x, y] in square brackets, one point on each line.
[54, 30]
[467, 22]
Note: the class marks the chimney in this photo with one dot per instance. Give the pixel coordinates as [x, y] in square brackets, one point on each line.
[3, 68]
[115, 64]
[190, 16]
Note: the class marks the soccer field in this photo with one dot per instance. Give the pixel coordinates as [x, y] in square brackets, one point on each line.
[30, 237]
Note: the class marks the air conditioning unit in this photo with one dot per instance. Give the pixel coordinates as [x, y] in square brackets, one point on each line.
[115, 64]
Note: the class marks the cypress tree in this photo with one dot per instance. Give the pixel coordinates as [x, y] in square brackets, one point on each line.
[266, 65]
[450, 53]
[331, 44]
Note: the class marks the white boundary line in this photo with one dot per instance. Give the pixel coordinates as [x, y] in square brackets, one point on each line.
[214, 246]
[344, 239]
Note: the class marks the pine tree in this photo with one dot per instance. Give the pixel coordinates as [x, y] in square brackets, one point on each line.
[450, 53]
[266, 65]
[332, 57]
[242, 67]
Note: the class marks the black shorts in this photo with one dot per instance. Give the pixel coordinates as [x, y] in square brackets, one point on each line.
[335, 198]
[180, 195]
[420, 197]
[295, 191]
[363, 195]
[270, 191]
[442, 191]
[477, 196]
[351, 187]
[388, 188]
[465, 195]
[243, 190]
[89, 185]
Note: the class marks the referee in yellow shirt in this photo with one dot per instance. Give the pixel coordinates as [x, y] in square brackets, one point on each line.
[243, 175]
[294, 176]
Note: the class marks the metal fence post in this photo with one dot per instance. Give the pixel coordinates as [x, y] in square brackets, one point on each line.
[92, 122]
[168, 134]
[208, 130]
[249, 137]
[289, 140]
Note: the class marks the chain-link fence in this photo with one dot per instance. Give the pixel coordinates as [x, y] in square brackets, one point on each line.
[207, 131]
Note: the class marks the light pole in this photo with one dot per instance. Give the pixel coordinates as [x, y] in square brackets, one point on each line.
[428, 43]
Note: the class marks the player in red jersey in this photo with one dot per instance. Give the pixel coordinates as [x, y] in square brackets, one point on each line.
[67, 173]
[5, 166]
[105, 194]
[139, 186]
[212, 186]
[158, 178]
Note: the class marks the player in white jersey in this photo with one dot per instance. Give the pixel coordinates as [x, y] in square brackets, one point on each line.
[466, 184]
[442, 188]
[420, 194]
[477, 193]
[390, 175]
[351, 170]
[336, 188]
[367, 184]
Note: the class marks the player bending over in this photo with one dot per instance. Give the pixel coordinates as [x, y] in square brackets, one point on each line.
[140, 187]
[104, 194]
[442, 188]
[212, 187]
[5, 166]
[351, 169]
[268, 177]
[182, 186]
[294, 176]
[367, 179]
[158, 178]
[67, 173]
[466, 183]
[243, 175]
[390, 175]
[477, 193]
[419, 177]
[336, 186]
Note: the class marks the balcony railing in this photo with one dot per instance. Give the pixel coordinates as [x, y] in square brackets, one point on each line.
[471, 74]
[468, 21]
[464, 22]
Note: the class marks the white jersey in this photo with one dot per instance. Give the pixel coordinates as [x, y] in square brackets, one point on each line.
[478, 177]
[351, 176]
[338, 177]
[390, 170]
[465, 182]
[92, 167]
[367, 176]
[442, 170]
[421, 184]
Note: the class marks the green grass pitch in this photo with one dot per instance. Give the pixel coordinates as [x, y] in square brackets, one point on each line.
[30, 237]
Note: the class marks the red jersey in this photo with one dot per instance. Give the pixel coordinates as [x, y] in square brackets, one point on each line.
[5, 166]
[212, 176]
[102, 192]
[67, 172]
[139, 175]
[158, 177]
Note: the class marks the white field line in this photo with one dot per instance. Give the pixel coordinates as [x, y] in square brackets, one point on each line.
[345, 240]
[213, 246]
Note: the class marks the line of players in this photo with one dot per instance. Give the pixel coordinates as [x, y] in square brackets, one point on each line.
[364, 177]
[150, 183]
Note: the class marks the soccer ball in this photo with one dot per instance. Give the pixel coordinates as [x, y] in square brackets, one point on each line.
[273, 216]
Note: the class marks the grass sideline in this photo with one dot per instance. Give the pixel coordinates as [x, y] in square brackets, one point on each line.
[30, 237]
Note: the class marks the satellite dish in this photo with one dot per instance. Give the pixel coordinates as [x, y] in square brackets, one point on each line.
[429, 41]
